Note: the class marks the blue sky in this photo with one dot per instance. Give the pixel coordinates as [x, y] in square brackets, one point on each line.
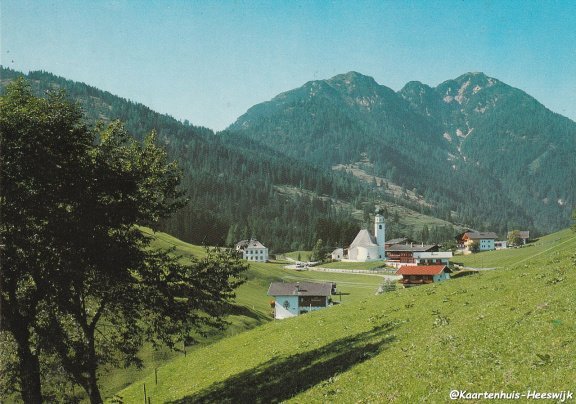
[209, 61]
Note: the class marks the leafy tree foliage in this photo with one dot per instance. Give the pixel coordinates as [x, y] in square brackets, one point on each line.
[318, 252]
[514, 238]
[80, 283]
[474, 246]
[43, 145]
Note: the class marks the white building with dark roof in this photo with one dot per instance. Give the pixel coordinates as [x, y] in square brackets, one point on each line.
[294, 298]
[252, 250]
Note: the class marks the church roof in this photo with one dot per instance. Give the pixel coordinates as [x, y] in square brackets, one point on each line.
[364, 239]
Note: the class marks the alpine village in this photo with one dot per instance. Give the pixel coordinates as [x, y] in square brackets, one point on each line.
[340, 243]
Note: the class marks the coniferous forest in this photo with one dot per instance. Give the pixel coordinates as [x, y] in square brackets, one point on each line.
[270, 174]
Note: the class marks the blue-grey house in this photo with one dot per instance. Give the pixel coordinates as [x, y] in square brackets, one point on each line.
[294, 298]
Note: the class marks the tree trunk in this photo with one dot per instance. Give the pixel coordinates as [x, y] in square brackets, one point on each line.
[29, 367]
[89, 382]
[93, 390]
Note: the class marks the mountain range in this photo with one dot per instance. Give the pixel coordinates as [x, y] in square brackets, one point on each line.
[314, 162]
[478, 150]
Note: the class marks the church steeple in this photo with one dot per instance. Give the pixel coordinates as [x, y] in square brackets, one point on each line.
[380, 234]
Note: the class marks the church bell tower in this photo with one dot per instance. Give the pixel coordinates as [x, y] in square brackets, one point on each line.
[380, 234]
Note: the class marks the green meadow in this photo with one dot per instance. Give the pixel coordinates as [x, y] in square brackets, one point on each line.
[251, 308]
[354, 265]
[510, 330]
[304, 255]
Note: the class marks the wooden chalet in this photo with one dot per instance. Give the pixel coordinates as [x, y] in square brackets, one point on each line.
[404, 253]
[413, 275]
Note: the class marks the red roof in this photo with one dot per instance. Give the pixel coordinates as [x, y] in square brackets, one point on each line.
[422, 270]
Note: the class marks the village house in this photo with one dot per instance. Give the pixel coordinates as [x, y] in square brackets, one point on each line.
[486, 240]
[394, 241]
[294, 298]
[413, 275]
[432, 257]
[524, 235]
[460, 239]
[252, 250]
[404, 253]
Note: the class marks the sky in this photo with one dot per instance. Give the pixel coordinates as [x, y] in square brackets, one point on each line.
[209, 61]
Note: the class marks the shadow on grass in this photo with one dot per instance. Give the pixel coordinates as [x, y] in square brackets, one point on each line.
[238, 310]
[281, 378]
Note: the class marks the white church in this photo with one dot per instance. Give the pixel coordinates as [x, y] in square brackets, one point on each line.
[366, 246]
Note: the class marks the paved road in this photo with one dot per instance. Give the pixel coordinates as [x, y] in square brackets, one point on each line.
[381, 274]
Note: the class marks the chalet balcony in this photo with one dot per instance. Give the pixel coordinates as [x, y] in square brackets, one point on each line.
[416, 281]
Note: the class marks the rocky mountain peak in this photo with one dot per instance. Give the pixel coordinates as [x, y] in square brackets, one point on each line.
[461, 89]
[352, 78]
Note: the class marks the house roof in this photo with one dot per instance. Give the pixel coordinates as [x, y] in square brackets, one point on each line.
[252, 243]
[396, 241]
[433, 254]
[478, 235]
[422, 270]
[300, 289]
[410, 247]
[363, 239]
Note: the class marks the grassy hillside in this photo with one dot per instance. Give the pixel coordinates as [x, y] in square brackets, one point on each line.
[505, 330]
[496, 259]
[251, 308]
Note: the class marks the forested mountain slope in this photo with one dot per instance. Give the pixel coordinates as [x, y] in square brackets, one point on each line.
[232, 182]
[474, 146]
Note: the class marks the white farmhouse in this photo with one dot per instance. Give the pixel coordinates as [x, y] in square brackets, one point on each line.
[252, 250]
